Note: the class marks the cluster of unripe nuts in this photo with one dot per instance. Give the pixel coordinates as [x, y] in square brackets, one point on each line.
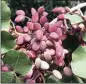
[41, 41]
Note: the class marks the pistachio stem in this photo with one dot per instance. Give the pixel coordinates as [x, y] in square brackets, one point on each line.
[79, 6]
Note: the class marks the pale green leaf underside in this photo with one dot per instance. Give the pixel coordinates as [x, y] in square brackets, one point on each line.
[78, 63]
[74, 18]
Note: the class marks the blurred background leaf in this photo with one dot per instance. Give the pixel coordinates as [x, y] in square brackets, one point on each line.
[5, 15]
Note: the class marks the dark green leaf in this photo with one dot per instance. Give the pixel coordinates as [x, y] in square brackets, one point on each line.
[7, 41]
[7, 77]
[74, 19]
[18, 61]
[79, 61]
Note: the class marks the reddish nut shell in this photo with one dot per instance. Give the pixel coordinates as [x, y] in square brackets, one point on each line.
[39, 34]
[59, 62]
[35, 17]
[53, 28]
[33, 11]
[59, 32]
[82, 26]
[59, 10]
[19, 18]
[59, 50]
[54, 35]
[30, 25]
[36, 46]
[41, 9]
[50, 51]
[33, 40]
[46, 25]
[4, 68]
[64, 36]
[60, 42]
[20, 12]
[27, 37]
[45, 13]
[43, 45]
[37, 26]
[67, 71]
[61, 16]
[47, 56]
[59, 24]
[25, 29]
[74, 26]
[44, 38]
[49, 43]
[31, 54]
[67, 9]
[19, 29]
[43, 19]
[20, 40]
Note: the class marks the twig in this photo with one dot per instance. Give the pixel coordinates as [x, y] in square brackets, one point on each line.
[12, 24]
[80, 12]
[16, 47]
[79, 6]
[53, 21]
[28, 18]
[42, 78]
[65, 23]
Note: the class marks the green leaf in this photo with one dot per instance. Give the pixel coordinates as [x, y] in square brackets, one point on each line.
[5, 16]
[7, 41]
[74, 19]
[79, 61]
[18, 61]
[84, 36]
[18, 80]
[7, 77]
[51, 79]
[5, 25]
